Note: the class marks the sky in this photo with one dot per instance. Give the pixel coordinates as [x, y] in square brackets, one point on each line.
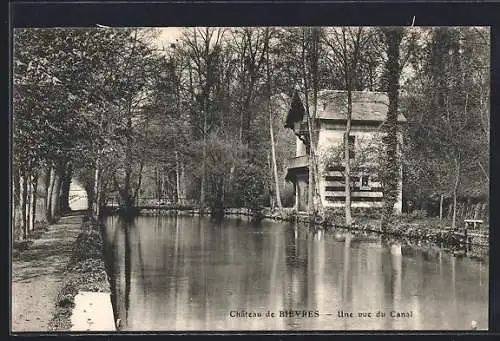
[168, 35]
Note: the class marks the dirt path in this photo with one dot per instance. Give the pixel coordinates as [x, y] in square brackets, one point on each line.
[37, 275]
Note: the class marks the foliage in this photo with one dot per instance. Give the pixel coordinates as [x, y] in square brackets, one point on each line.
[252, 186]
[447, 136]
[368, 151]
[390, 174]
[88, 245]
[191, 121]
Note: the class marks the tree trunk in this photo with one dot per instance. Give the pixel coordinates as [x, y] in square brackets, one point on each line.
[461, 208]
[162, 183]
[296, 191]
[318, 204]
[126, 192]
[347, 171]
[183, 184]
[311, 119]
[54, 205]
[52, 177]
[29, 202]
[23, 204]
[34, 187]
[271, 130]
[157, 182]
[139, 183]
[46, 189]
[454, 213]
[450, 210]
[203, 167]
[441, 207]
[178, 178]
[42, 184]
[66, 183]
[275, 167]
[15, 203]
[393, 38]
[97, 180]
[457, 177]
[272, 202]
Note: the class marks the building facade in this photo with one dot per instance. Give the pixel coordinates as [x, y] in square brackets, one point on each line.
[369, 112]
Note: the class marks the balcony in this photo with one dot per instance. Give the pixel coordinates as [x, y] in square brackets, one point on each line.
[297, 165]
[298, 161]
[300, 128]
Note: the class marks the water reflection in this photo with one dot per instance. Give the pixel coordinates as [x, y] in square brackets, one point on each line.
[187, 273]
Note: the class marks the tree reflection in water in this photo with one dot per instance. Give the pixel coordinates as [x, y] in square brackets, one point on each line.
[186, 273]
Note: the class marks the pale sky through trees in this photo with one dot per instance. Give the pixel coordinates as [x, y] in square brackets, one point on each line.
[168, 35]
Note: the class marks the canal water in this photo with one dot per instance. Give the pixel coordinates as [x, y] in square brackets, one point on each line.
[186, 273]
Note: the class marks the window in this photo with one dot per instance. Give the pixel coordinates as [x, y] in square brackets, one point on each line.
[350, 141]
[365, 182]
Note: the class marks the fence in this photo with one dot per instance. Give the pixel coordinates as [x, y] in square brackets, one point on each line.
[147, 201]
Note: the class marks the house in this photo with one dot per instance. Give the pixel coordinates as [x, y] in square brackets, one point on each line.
[369, 112]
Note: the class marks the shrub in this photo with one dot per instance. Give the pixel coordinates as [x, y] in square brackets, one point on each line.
[366, 212]
[85, 272]
[66, 296]
[87, 265]
[88, 244]
[251, 186]
[287, 195]
[418, 214]
[334, 216]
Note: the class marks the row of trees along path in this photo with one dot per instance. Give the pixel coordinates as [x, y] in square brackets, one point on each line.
[200, 120]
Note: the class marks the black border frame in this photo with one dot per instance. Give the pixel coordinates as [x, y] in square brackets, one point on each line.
[277, 13]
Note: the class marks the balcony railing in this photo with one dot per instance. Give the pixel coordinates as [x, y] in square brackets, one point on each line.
[299, 161]
[300, 128]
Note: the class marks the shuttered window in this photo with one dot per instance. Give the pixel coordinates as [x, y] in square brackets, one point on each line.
[351, 141]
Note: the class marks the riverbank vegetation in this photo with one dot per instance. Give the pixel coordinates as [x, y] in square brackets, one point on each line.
[85, 271]
[199, 120]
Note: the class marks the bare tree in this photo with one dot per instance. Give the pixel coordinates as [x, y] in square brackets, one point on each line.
[203, 47]
[270, 111]
[345, 44]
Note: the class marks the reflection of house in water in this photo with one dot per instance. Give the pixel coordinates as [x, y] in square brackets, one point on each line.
[296, 247]
[369, 111]
[346, 288]
[296, 259]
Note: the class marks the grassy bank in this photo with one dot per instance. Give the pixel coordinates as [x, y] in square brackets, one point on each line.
[85, 271]
[410, 227]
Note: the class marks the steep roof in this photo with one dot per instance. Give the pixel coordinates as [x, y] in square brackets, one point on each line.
[366, 105]
[296, 112]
